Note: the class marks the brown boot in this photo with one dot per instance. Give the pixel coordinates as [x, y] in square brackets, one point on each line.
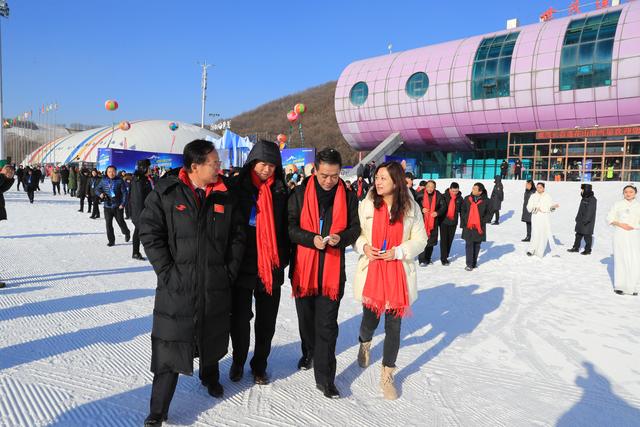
[363, 354]
[386, 383]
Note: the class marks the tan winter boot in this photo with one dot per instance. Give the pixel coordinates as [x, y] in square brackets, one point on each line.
[363, 354]
[386, 383]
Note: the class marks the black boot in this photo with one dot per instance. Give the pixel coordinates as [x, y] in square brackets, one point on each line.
[305, 363]
[215, 390]
[329, 390]
[260, 378]
[236, 372]
[138, 256]
[154, 420]
[127, 237]
[526, 239]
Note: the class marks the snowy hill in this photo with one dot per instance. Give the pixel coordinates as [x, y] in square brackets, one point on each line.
[520, 341]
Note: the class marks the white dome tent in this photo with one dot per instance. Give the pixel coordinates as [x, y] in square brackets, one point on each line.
[144, 135]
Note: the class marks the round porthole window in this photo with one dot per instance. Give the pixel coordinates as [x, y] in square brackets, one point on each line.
[417, 85]
[359, 94]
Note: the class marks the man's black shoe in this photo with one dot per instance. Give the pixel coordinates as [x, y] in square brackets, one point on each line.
[236, 372]
[305, 363]
[2, 285]
[127, 237]
[139, 256]
[526, 239]
[154, 420]
[586, 253]
[261, 378]
[215, 390]
[573, 250]
[445, 263]
[329, 390]
[111, 244]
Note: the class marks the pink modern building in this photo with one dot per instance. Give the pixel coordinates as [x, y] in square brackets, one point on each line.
[486, 97]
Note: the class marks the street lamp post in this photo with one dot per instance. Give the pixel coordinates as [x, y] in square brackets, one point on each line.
[4, 12]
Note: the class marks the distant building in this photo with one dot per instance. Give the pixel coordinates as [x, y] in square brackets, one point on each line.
[562, 95]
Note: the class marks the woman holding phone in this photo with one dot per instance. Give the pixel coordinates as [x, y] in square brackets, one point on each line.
[392, 235]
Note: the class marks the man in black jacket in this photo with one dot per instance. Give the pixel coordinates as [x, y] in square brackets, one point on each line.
[585, 220]
[323, 222]
[193, 235]
[452, 201]
[6, 181]
[19, 176]
[433, 207]
[263, 200]
[141, 185]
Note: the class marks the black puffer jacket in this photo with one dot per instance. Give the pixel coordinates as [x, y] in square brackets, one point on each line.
[302, 237]
[526, 215]
[247, 195]
[5, 184]
[196, 251]
[586, 217]
[141, 186]
[485, 211]
[497, 194]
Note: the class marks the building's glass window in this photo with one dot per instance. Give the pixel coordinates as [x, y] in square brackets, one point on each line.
[491, 67]
[359, 93]
[417, 85]
[587, 52]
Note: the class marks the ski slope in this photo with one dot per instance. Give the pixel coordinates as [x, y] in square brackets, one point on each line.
[520, 341]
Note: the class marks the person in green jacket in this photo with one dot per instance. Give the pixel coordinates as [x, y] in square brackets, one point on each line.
[73, 180]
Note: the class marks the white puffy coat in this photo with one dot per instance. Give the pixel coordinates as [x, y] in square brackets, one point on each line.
[414, 240]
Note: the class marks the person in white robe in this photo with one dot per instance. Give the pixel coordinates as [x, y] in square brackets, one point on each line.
[540, 205]
[624, 216]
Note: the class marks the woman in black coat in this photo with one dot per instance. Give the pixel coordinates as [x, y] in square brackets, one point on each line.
[530, 188]
[474, 224]
[30, 183]
[585, 220]
[83, 187]
[497, 196]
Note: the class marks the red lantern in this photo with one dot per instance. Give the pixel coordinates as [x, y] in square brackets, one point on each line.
[124, 125]
[292, 116]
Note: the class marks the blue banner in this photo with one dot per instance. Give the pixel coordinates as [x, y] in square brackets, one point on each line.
[298, 157]
[127, 159]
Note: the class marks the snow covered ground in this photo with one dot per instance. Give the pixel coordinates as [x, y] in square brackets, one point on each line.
[518, 342]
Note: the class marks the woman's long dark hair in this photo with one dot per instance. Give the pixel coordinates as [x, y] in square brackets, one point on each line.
[533, 186]
[401, 196]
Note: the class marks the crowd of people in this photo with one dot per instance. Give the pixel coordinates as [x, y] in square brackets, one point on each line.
[220, 242]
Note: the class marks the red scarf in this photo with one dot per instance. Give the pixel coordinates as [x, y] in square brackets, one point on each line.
[474, 215]
[359, 193]
[305, 275]
[451, 210]
[217, 186]
[429, 221]
[265, 232]
[386, 284]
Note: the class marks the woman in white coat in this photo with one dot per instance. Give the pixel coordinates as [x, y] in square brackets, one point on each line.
[624, 216]
[540, 205]
[392, 235]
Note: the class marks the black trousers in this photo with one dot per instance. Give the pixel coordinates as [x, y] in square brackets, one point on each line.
[517, 174]
[264, 325]
[318, 324]
[497, 216]
[503, 175]
[109, 214]
[82, 205]
[56, 186]
[136, 240]
[426, 255]
[528, 229]
[19, 182]
[64, 187]
[30, 195]
[447, 234]
[472, 250]
[127, 210]
[162, 390]
[392, 326]
[94, 206]
[588, 241]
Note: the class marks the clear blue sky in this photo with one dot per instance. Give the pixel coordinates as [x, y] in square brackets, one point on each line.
[145, 53]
